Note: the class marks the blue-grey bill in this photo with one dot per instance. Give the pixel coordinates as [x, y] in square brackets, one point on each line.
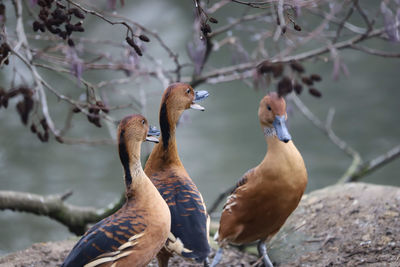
[200, 95]
[153, 131]
[152, 139]
[281, 129]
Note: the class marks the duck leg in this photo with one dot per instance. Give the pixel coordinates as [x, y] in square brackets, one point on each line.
[217, 257]
[163, 257]
[262, 252]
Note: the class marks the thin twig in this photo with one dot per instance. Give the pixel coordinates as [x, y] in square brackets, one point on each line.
[375, 52]
[97, 14]
[171, 53]
[341, 24]
[364, 16]
[238, 21]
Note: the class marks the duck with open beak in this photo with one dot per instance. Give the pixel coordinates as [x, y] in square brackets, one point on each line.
[189, 219]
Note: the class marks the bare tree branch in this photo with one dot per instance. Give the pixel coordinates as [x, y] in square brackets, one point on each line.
[375, 52]
[170, 52]
[238, 21]
[349, 26]
[53, 206]
[299, 57]
[327, 129]
[358, 168]
[367, 21]
[97, 14]
[341, 24]
[22, 40]
[366, 168]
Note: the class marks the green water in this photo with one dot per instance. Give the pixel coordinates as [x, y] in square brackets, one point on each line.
[216, 146]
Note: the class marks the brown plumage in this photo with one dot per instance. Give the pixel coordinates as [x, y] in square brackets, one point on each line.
[267, 194]
[134, 234]
[189, 219]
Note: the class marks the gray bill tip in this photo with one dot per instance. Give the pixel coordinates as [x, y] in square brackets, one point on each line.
[281, 129]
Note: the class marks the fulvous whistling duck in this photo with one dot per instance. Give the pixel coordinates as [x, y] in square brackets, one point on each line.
[189, 219]
[267, 194]
[134, 234]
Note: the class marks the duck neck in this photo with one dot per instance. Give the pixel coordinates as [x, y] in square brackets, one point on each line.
[273, 143]
[278, 150]
[167, 149]
[129, 153]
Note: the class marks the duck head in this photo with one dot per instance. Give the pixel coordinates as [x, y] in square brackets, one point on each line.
[132, 131]
[181, 96]
[135, 128]
[177, 98]
[272, 114]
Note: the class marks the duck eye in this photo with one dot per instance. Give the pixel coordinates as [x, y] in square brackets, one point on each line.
[143, 121]
[188, 90]
[268, 107]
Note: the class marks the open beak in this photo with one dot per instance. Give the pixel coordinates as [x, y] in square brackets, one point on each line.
[199, 96]
[281, 129]
[152, 133]
[152, 139]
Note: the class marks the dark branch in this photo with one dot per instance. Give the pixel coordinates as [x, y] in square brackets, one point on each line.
[53, 206]
[299, 57]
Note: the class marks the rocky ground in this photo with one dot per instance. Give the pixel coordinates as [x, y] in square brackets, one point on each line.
[350, 225]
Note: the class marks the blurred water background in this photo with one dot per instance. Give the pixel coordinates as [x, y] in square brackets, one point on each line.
[216, 146]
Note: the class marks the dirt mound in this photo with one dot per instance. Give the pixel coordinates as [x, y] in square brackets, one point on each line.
[342, 225]
[53, 253]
